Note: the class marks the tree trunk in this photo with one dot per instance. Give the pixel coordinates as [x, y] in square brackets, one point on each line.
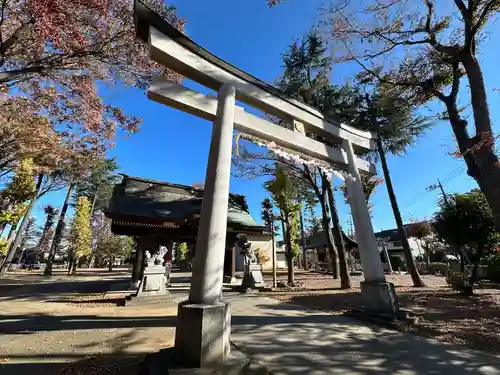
[22, 228]
[303, 240]
[345, 280]
[328, 234]
[110, 265]
[138, 262]
[321, 195]
[72, 268]
[412, 268]
[58, 234]
[478, 152]
[274, 253]
[289, 253]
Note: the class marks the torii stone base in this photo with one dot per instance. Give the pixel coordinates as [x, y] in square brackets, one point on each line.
[379, 297]
[202, 334]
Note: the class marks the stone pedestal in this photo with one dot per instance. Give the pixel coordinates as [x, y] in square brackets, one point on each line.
[153, 282]
[379, 297]
[229, 280]
[202, 334]
[134, 284]
[252, 277]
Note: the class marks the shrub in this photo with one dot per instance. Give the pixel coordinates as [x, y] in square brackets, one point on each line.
[181, 253]
[397, 264]
[493, 263]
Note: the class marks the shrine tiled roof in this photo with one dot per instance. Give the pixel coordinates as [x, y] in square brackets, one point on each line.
[144, 198]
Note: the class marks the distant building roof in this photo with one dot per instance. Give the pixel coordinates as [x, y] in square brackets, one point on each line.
[391, 234]
[319, 240]
[144, 198]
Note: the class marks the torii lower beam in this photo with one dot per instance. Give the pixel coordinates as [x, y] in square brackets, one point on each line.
[186, 100]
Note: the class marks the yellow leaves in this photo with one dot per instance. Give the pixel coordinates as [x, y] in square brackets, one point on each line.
[81, 230]
[3, 246]
[22, 187]
[261, 256]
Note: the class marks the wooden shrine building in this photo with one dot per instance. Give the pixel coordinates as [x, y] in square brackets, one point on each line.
[160, 213]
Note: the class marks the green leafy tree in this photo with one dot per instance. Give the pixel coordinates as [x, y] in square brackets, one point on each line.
[398, 127]
[466, 220]
[98, 186]
[285, 195]
[80, 233]
[181, 253]
[45, 239]
[307, 68]
[295, 231]
[269, 218]
[32, 233]
[369, 183]
[93, 179]
[266, 213]
[422, 231]
[305, 78]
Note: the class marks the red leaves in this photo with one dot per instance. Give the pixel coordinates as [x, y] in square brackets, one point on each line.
[56, 52]
[57, 21]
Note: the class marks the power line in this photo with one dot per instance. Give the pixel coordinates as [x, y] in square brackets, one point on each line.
[449, 177]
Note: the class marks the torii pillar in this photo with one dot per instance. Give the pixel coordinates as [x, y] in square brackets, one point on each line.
[204, 321]
[379, 295]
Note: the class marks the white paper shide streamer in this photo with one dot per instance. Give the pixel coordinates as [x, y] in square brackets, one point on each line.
[298, 158]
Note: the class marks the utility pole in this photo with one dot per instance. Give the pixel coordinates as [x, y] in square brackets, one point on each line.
[439, 186]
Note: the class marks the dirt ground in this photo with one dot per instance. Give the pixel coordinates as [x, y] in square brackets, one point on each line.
[69, 327]
[445, 315]
[65, 325]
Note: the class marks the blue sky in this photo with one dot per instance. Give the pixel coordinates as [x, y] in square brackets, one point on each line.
[173, 146]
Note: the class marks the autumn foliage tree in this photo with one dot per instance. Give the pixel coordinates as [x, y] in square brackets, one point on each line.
[52, 54]
[466, 220]
[80, 233]
[20, 189]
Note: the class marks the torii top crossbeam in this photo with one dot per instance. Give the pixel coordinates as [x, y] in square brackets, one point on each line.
[173, 49]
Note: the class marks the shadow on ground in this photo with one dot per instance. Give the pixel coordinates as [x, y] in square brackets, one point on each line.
[111, 364]
[32, 323]
[329, 344]
[445, 315]
[52, 290]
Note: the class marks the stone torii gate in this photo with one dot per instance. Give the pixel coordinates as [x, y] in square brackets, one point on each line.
[203, 328]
